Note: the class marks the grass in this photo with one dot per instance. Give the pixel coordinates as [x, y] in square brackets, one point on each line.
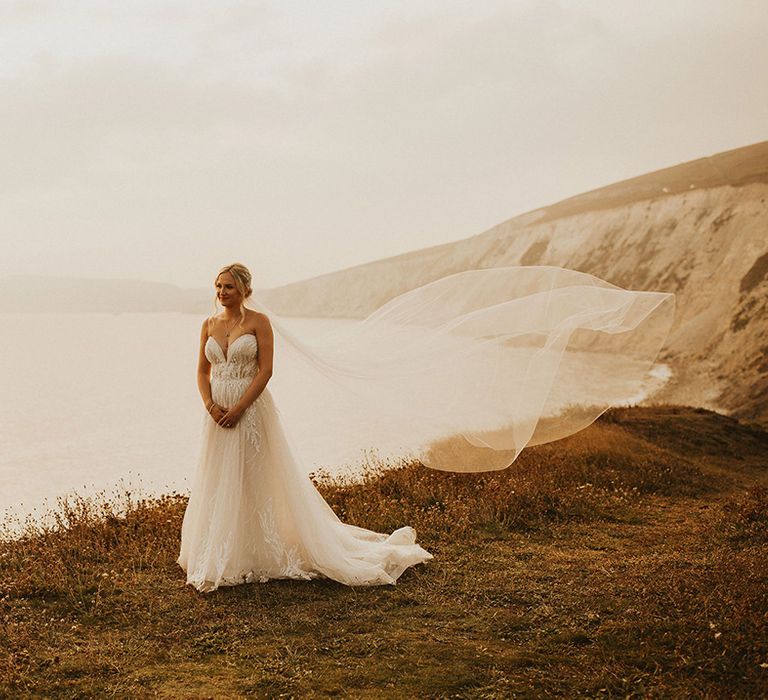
[628, 560]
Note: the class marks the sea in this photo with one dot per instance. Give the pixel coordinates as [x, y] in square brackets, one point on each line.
[100, 403]
[106, 404]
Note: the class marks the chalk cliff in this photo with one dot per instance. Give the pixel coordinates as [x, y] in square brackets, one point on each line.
[699, 229]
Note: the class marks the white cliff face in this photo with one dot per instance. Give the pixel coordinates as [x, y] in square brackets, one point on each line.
[699, 230]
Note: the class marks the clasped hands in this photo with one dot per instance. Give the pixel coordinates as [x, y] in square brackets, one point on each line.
[226, 418]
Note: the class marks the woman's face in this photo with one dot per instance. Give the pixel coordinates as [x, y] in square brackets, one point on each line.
[226, 291]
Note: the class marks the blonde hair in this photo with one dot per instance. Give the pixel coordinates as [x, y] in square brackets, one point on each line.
[242, 277]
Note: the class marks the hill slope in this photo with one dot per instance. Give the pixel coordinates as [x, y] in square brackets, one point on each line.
[699, 229]
[624, 561]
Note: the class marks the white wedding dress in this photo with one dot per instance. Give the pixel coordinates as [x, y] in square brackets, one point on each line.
[460, 374]
[254, 515]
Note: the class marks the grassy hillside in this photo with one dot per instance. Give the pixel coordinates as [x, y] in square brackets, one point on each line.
[628, 560]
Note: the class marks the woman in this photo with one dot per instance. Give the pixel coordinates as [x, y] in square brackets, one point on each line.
[253, 513]
[461, 374]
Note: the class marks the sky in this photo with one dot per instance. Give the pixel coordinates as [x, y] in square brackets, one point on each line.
[160, 140]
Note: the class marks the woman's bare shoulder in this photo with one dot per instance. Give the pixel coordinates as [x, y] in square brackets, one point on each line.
[205, 329]
[208, 322]
[256, 318]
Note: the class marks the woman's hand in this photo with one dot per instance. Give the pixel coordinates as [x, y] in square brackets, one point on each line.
[217, 412]
[230, 418]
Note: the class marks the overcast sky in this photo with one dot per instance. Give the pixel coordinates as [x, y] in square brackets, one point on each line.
[161, 140]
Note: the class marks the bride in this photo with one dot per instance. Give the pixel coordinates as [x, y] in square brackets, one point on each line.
[461, 374]
[253, 514]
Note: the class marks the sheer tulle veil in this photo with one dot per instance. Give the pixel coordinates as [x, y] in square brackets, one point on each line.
[464, 372]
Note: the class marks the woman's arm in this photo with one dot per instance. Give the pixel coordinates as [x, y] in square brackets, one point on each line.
[265, 342]
[204, 368]
[204, 377]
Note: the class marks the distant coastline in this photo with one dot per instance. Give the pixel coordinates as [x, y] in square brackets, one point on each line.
[30, 294]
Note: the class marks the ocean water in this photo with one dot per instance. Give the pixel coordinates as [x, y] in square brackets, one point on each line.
[99, 402]
[94, 402]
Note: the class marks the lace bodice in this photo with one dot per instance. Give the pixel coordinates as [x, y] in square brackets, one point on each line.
[241, 361]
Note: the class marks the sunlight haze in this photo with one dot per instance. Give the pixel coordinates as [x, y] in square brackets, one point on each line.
[161, 140]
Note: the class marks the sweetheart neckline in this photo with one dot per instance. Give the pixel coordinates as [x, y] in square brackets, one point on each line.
[229, 347]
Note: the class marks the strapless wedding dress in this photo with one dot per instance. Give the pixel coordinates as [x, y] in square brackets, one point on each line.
[254, 515]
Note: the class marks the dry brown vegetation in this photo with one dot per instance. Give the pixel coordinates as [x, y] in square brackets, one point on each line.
[629, 560]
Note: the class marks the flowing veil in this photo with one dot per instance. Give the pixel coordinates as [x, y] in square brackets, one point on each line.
[464, 372]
